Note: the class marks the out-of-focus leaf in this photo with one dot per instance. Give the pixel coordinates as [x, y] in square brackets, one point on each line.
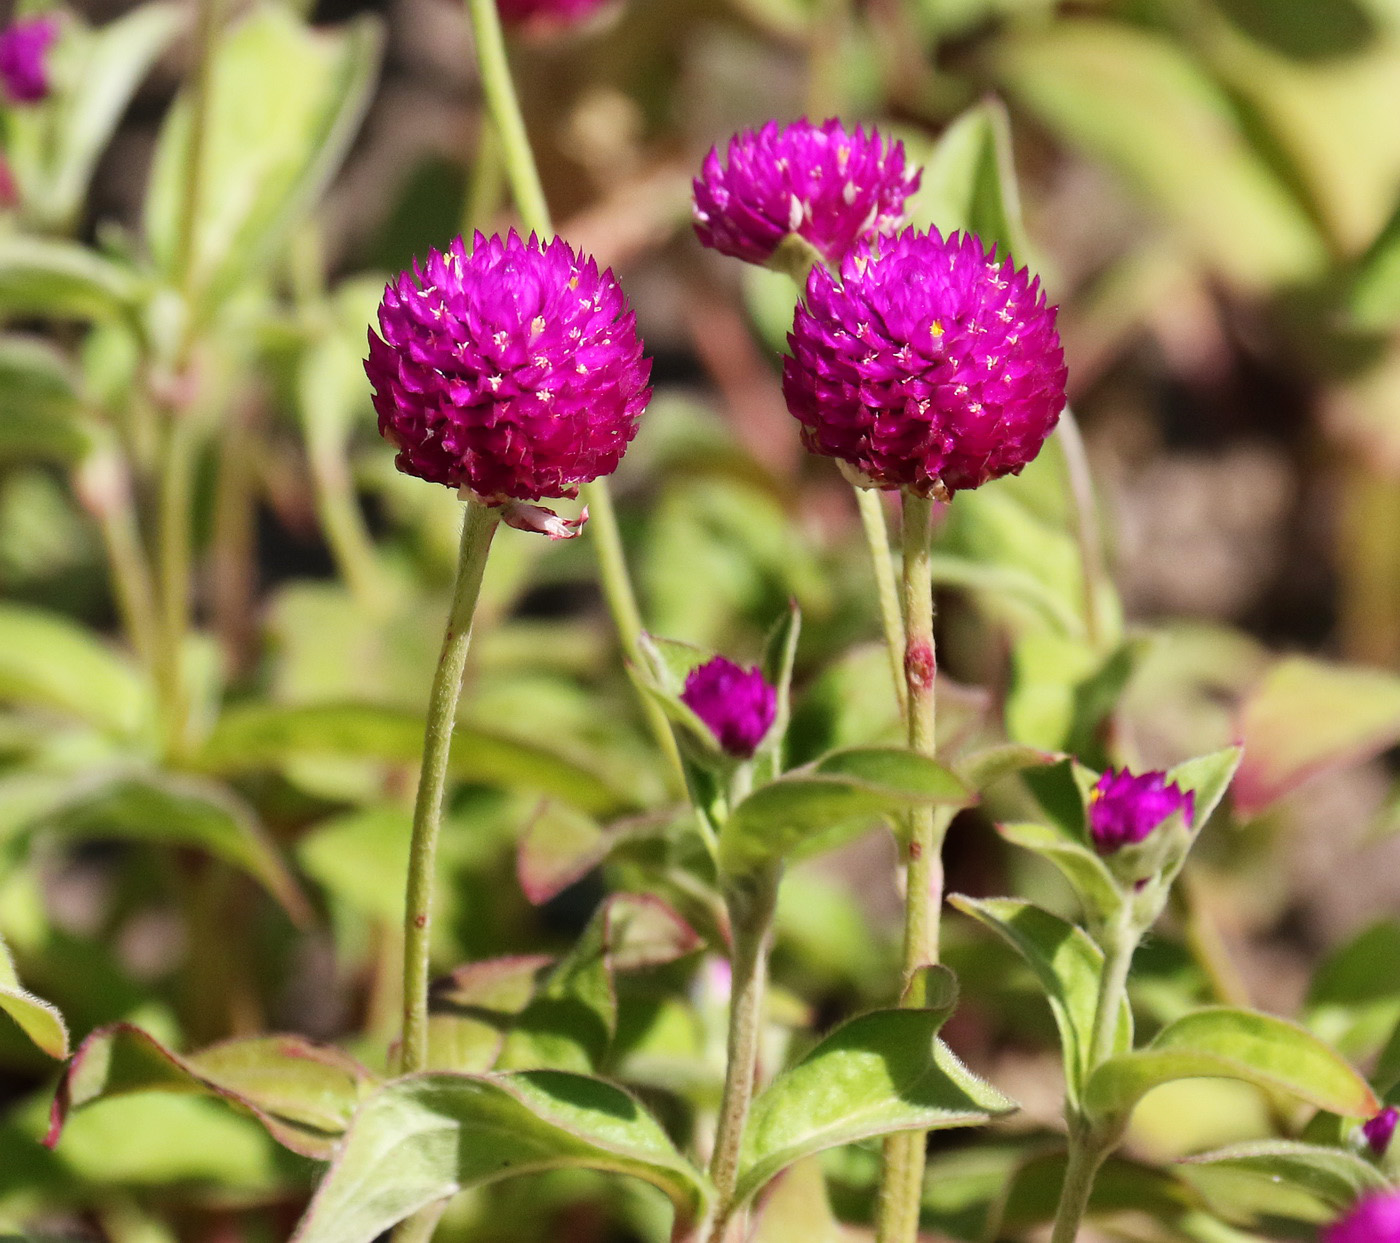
[1063, 691]
[572, 1018]
[1206, 777]
[39, 1020]
[303, 1093]
[969, 183]
[1352, 1002]
[797, 1207]
[266, 735]
[48, 661]
[984, 768]
[62, 280]
[1308, 718]
[41, 411]
[1375, 292]
[1226, 1043]
[114, 60]
[284, 106]
[861, 783]
[1333, 1175]
[422, 1138]
[1081, 866]
[1066, 963]
[176, 810]
[1140, 102]
[882, 1072]
[1033, 1191]
[477, 1007]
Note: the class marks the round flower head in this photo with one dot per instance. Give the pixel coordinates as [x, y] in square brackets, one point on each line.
[827, 186]
[1124, 809]
[926, 364]
[513, 372]
[736, 703]
[1375, 1219]
[1380, 1129]
[24, 50]
[545, 14]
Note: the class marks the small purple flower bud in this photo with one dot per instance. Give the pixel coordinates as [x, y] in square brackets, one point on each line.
[927, 364]
[736, 703]
[1374, 1219]
[514, 371]
[827, 186]
[1124, 809]
[544, 15]
[24, 50]
[1379, 1130]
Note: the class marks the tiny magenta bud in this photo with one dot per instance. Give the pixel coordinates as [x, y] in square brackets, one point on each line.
[736, 704]
[827, 185]
[512, 372]
[24, 54]
[1124, 809]
[927, 364]
[1374, 1219]
[547, 15]
[1380, 1129]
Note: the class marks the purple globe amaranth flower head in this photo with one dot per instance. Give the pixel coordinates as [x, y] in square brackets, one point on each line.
[1374, 1219]
[543, 15]
[1380, 1129]
[927, 364]
[821, 183]
[737, 704]
[513, 372]
[24, 53]
[1124, 809]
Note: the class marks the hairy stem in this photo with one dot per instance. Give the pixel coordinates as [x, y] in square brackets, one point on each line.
[478, 526]
[751, 920]
[872, 520]
[901, 1184]
[1085, 1157]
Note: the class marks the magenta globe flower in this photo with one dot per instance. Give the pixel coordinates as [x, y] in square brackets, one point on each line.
[513, 372]
[821, 183]
[737, 704]
[1381, 1129]
[547, 13]
[1375, 1219]
[24, 52]
[926, 364]
[1124, 809]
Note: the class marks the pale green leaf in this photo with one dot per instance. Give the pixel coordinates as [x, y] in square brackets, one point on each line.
[1333, 1175]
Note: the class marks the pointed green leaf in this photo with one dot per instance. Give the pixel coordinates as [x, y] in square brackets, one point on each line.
[879, 1073]
[1082, 867]
[475, 1010]
[303, 1093]
[1207, 777]
[1067, 964]
[420, 1139]
[862, 783]
[54, 279]
[1333, 1175]
[986, 767]
[1352, 1002]
[1221, 1042]
[37, 1019]
[41, 411]
[798, 1208]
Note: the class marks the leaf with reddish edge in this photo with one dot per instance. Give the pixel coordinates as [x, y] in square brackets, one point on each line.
[37, 1019]
[562, 844]
[303, 1093]
[475, 1008]
[1307, 718]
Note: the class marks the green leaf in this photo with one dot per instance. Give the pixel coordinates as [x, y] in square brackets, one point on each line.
[423, 1138]
[1308, 718]
[53, 279]
[41, 411]
[1221, 1042]
[858, 784]
[1332, 1175]
[879, 1073]
[1082, 867]
[48, 661]
[303, 1093]
[1207, 777]
[798, 1208]
[984, 768]
[969, 182]
[1352, 1002]
[1067, 964]
[477, 1008]
[285, 103]
[1375, 293]
[177, 810]
[39, 1020]
[113, 63]
[267, 735]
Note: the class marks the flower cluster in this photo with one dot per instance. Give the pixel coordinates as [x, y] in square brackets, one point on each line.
[737, 704]
[513, 371]
[24, 51]
[1124, 809]
[927, 364]
[1375, 1219]
[828, 186]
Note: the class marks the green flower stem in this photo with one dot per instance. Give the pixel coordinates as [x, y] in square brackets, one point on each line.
[1085, 1158]
[192, 191]
[872, 521]
[524, 178]
[486, 183]
[478, 526]
[1086, 524]
[751, 906]
[902, 1180]
[174, 559]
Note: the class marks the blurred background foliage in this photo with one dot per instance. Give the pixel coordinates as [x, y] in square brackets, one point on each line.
[1211, 191]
